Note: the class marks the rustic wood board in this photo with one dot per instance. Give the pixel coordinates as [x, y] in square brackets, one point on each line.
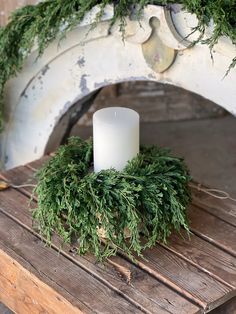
[187, 276]
[145, 290]
[86, 293]
[24, 292]
[213, 229]
[223, 209]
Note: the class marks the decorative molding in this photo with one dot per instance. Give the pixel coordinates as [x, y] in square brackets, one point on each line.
[39, 98]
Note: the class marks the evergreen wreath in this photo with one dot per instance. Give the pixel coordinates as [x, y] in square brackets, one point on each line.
[110, 210]
[42, 23]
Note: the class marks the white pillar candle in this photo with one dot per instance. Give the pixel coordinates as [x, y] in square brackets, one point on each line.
[115, 137]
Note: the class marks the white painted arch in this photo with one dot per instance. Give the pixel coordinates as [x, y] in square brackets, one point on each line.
[85, 61]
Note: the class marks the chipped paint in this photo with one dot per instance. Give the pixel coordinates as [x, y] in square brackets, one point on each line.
[45, 69]
[81, 62]
[52, 85]
[83, 84]
[23, 94]
[65, 108]
[102, 84]
[176, 8]
[151, 76]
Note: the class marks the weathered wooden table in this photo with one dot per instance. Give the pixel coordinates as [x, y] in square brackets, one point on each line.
[187, 276]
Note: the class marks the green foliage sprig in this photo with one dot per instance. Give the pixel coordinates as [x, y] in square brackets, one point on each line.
[40, 24]
[148, 200]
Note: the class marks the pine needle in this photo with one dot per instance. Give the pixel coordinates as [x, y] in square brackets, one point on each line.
[150, 197]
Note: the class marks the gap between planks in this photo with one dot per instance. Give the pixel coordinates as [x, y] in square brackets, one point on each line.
[172, 251]
[181, 291]
[203, 236]
[86, 292]
[71, 259]
[79, 264]
[57, 249]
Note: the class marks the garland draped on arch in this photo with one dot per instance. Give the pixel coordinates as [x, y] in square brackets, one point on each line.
[42, 23]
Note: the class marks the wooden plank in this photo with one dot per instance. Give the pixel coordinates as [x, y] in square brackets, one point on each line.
[24, 293]
[143, 289]
[209, 258]
[146, 285]
[207, 270]
[185, 278]
[213, 229]
[227, 308]
[38, 163]
[204, 290]
[83, 288]
[20, 176]
[225, 209]
[206, 256]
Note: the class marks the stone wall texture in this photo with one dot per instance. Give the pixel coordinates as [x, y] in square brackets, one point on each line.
[155, 102]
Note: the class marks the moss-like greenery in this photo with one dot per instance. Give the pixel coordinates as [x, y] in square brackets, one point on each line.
[147, 200]
[42, 23]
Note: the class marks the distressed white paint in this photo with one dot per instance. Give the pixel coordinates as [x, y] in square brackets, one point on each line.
[85, 61]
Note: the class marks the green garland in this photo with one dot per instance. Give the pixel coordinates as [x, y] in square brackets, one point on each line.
[42, 23]
[150, 195]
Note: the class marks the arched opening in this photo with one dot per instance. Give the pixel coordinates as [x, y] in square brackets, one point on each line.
[155, 102]
[191, 126]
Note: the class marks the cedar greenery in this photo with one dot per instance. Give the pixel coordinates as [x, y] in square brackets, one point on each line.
[150, 195]
[40, 24]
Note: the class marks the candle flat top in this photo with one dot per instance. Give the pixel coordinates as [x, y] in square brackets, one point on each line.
[116, 115]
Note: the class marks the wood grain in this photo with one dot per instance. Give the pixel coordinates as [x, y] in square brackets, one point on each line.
[147, 286]
[144, 290]
[223, 209]
[23, 292]
[21, 176]
[204, 290]
[203, 254]
[185, 278]
[210, 266]
[86, 293]
[206, 256]
[227, 308]
[213, 229]
[38, 163]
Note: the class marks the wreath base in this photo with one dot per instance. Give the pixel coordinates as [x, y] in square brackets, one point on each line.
[152, 192]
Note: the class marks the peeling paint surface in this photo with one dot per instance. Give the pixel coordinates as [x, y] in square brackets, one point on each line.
[81, 62]
[157, 55]
[102, 84]
[65, 75]
[45, 69]
[83, 84]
